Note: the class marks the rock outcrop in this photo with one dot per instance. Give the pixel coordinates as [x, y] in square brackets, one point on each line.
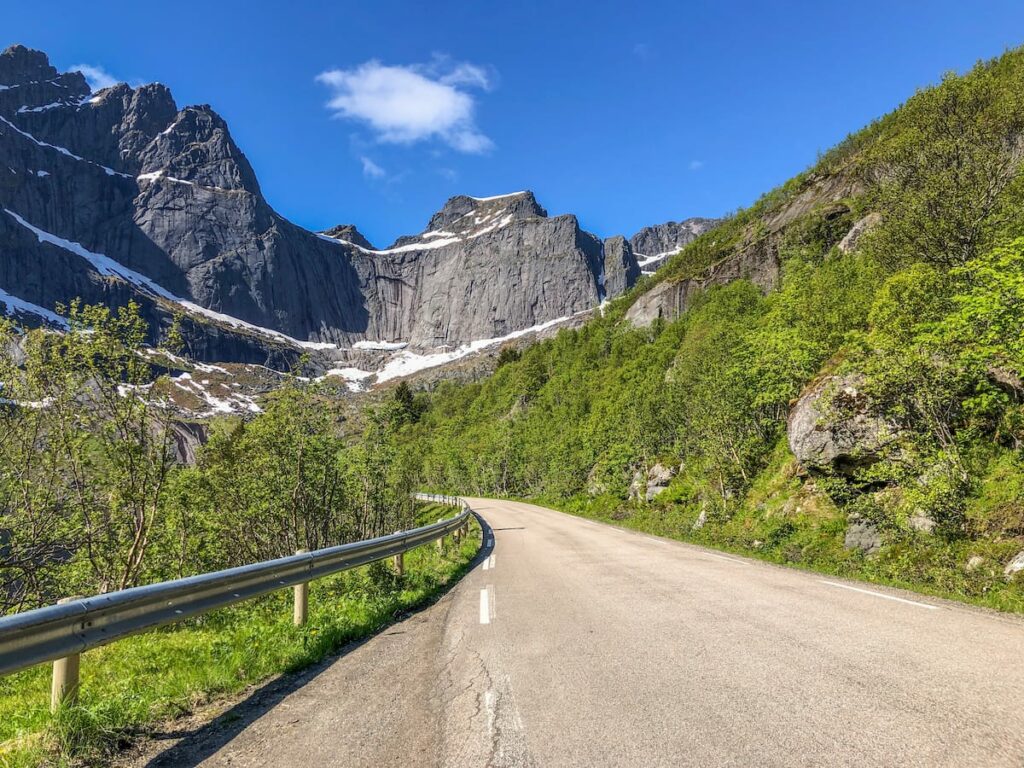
[671, 298]
[850, 241]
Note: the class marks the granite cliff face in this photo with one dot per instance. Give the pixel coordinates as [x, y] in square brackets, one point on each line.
[483, 268]
[121, 195]
[653, 246]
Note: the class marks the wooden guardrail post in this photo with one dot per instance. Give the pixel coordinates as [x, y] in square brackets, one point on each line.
[64, 686]
[400, 562]
[301, 612]
[440, 540]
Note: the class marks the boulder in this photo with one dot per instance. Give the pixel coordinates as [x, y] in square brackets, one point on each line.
[658, 478]
[648, 485]
[863, 535]
[831, 428]
[974, 563]
[596, 485]
[636, 486]
[921, 522]
[1014, 566]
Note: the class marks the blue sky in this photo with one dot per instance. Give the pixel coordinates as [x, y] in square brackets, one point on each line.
[625, 114]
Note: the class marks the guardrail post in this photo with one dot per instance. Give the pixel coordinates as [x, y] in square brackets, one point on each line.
[301, 612]
[400, 563]
[440, 540]
[64, 686]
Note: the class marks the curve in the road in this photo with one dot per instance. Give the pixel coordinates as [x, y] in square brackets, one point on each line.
[575, 643]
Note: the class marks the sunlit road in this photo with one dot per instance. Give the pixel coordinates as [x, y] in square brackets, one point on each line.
[578, 644]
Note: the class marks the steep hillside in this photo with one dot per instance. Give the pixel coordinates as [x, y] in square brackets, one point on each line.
[831, 377]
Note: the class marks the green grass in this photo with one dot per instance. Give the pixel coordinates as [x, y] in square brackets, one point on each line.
[132, 684]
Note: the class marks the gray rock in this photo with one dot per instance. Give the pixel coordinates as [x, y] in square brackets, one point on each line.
[348, 233]
[595, 484]
[830, 427]
[863, 535]
[638, 485]
[701, 520]
[19, 64]
[974, 563]
[1015, 565]
[494, 269]
[187, 436]
[852, 238]
[849, 242]
[657, 480]
[921, 522]
[620, 267]
[656, 244]
[671, 298]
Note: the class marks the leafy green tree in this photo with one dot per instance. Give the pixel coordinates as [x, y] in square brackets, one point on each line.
[945, 168]
[87, 458]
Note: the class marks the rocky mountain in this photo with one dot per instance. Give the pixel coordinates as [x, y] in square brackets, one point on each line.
[654, 245]
[121, 194]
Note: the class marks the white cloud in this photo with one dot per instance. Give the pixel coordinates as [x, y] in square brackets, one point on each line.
[97, 77]
[370, 169]
[696, 165]
[404, 105]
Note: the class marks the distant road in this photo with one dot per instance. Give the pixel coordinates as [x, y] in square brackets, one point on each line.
[578, 644]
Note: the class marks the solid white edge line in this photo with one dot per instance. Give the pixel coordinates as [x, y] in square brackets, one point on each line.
[879, 594]
[485, 607]
[723, 557]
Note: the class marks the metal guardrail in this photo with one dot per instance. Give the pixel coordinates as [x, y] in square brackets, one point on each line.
[440, 498]
[61, 632]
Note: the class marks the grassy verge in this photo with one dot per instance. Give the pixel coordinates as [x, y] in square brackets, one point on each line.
[150, 678]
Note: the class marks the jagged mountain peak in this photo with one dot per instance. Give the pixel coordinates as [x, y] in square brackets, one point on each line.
[457, 214]
[349, 234]
[20, 65]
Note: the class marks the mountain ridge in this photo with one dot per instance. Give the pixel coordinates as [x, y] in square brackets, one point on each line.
[165, 201]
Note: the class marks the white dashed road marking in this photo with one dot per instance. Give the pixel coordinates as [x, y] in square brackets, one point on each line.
[880, 594]
[485, 607]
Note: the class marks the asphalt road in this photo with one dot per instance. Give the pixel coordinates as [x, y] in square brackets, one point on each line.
[577, 644]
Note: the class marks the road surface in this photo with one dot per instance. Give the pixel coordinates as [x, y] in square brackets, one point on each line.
[577, 644]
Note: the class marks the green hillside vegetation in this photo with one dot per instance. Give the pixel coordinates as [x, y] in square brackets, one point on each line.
[925, 314]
